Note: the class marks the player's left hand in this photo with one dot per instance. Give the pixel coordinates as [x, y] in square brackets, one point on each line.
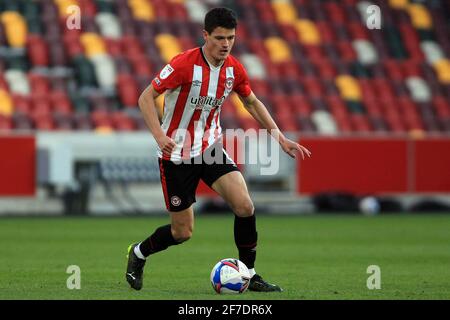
[291, 148]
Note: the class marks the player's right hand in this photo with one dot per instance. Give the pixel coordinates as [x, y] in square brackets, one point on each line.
[166, 145]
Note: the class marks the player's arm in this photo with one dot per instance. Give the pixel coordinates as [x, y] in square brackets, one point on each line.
[147, 104]
[259, 111]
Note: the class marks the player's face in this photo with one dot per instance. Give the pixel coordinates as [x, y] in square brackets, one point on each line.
[219, 42]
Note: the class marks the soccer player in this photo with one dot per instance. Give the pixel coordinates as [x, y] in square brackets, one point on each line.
[195, 83]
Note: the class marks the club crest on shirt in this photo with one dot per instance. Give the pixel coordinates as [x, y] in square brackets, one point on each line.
[229, 83]
[166, 71]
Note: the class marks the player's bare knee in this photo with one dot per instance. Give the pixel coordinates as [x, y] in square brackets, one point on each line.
[182, 234]
[244, 209]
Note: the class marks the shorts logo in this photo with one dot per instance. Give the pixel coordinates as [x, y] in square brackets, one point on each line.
[166, 71]
[176, 201]
[157, 81]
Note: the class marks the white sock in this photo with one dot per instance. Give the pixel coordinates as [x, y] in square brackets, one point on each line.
[252, 272]
[138, 253]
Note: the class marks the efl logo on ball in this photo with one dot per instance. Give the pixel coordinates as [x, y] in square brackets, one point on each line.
[230, 276]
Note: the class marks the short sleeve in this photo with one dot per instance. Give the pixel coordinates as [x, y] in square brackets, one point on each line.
[242, 84]
[170, 77]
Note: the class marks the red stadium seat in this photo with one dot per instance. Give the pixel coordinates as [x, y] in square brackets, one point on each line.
[3, 83]
[39, 84]
[142, 66]
[131, 46]
[346, 51]
[313, 86]
[411, 68]
[122, 122]
[260, 87]
[37, 50]
[303, 83]
[88, 7]
[114, 47]
[326, 69]
[44, 122]
[300, 104]
[21, 103]
[344, 124]
[61, 103]
[373, 108]
[5, 123]
[128, 90]
[41, 106]
[326, 31]
[393, 69]
[358, 30]
[335, 12]
[360, 123]
[442, 106]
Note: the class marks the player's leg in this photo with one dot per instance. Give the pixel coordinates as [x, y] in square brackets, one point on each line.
[179, 182]
[226, 179]
[178, 231]
[233, 189]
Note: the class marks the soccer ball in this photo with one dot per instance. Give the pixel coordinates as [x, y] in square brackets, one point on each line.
[369, 206]
[230, 276]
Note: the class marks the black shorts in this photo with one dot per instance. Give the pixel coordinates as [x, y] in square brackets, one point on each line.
[180, 180]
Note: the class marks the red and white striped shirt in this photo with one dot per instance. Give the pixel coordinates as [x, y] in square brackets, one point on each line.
[195, 92]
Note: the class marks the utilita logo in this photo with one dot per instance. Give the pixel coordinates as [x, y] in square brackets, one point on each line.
[206, 102]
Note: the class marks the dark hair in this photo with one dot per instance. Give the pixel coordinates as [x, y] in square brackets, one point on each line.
[220, 17]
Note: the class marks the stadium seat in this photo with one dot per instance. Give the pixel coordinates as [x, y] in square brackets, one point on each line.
[38, 51]
[420, 17]
[442, 68]
[278, 49]
[15, 28]
[348, 87]
[312, 58]
[57, 54]
[61, 103]
[324, 122]
[128, 90]
[284, 11]
[44, 122]
[168, 46]
[142, 10]
[6, 123]
[419, 90]
[365, 52]
[105, 71]
[22, 104]
[82, 122]
[109, 25]
[93, 44]
[84, 71]
[307, 32]
[17, 81]
[6, 103]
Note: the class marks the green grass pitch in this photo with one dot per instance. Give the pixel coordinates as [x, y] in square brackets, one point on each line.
[311, 257]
